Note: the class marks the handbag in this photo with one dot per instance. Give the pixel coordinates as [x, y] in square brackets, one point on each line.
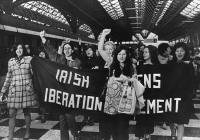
[132, 100]
[4, 112]
[128, 100]
[113, 96]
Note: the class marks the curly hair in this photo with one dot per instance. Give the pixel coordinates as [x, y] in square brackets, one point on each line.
[14, 48]
[153, 53]
[184, 47]
[115, 66]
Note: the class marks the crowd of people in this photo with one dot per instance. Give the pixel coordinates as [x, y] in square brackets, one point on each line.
[119, 59]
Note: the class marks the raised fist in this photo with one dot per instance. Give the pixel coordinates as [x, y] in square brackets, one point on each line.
[67, 40]
[106, 31]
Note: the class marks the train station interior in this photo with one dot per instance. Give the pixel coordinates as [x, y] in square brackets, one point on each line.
[132, 23]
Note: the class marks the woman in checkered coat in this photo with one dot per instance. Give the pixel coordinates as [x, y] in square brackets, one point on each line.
[19, 88]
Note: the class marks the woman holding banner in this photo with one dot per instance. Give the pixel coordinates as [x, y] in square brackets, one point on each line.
[181, 56]
[19, 86]
[120, 65]
[64, 55]
[144, 123]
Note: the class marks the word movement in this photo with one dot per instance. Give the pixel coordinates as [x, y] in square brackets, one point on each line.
[162, 105]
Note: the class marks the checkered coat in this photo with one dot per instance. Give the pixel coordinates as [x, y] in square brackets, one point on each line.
[18, 84]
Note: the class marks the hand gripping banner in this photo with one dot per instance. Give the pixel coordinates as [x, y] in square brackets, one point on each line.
[61, 88]
[168, 92]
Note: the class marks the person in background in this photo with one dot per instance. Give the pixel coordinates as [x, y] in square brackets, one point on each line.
[42, 54]
[145, 124]
[65, 56]
[19, 86]
[28, 50]
[140, 50]
[164, 53]
[165, 57]
[196, 64]
[90, 60]
[181, 55]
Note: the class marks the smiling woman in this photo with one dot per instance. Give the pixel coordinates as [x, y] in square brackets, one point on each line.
[19, 86]
[180, 52]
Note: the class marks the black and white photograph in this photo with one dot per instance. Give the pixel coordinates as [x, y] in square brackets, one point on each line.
[99, 69]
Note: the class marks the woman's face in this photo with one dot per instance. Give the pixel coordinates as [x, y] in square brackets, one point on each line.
[68, 50]
[27, 49]
[109, 49]
[19, 50]
[180, 53]
[42, 54]
[121, 56]
[146, 54]
[89, 52]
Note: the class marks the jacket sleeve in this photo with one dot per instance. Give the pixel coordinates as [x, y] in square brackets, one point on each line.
[7, 80]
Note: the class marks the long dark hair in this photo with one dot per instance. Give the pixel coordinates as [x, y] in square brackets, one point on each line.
[153, 53]
[115, 66]
[180, 45]
[14, 48]
[74, 55]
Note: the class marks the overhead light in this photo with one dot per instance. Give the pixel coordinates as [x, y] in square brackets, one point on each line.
[136, 8]
[192, 9]
[156, 11]
[113, 8]
[134, 17]
[135, 27]
[135, 23]
[167, 5]
[187, 21]
[85, 28]
[46, 10]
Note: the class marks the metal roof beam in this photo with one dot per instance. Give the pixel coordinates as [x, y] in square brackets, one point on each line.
[134, 17]
[133, 8]
[174, 15]
[135, 23]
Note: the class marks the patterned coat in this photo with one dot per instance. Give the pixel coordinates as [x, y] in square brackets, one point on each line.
[18, 84]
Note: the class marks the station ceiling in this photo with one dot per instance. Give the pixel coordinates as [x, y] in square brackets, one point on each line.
[166, 18]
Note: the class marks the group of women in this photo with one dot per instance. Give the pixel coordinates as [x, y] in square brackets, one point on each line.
[18, 85]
